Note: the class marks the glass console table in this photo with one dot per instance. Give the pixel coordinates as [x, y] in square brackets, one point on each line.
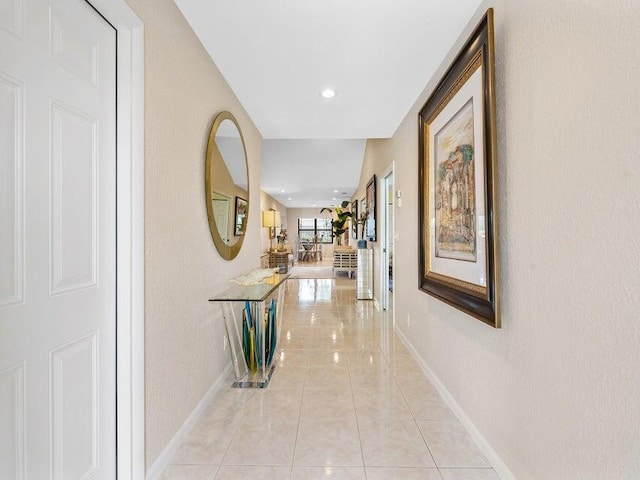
[253, 317]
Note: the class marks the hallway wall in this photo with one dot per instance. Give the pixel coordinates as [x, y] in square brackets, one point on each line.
[556, 391]
[183, 92]
[378, 156]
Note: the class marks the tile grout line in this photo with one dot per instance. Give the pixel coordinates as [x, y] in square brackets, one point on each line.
[355, 412]
[295, 442]
[415, 420]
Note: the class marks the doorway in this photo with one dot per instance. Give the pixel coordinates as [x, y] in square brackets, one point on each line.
[221, 204]
[386, 266]
[49, 185]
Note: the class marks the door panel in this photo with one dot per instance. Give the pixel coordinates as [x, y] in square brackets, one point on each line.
[11, 16]
[11, 200]
[72, 47]
[73, 409]
[57, 241]
[221, 214]
[73, 200]
[12, 426]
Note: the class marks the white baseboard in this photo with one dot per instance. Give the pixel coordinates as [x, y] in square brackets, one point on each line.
[164, 458]
[496, 462]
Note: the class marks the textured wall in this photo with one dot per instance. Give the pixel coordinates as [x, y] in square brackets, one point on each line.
[184, 332]
[377, 158]
[556, 392]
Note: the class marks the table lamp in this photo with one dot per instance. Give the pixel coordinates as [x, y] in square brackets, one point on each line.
[270, 220]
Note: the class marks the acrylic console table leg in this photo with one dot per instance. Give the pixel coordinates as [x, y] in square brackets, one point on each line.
[235, 339]
[253, 334]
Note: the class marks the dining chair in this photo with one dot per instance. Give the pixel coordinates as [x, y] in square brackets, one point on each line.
[302, 250]
[317, 249]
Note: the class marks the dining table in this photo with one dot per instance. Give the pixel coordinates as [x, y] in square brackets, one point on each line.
[310, 252]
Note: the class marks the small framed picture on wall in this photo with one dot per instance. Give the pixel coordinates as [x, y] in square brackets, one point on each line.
[240, 217]
[371, 210]
[354, 219]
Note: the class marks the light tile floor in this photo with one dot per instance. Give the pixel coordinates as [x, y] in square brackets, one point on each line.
[346, 401]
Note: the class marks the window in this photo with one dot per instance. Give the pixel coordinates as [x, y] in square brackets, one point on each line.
[310, 227]
[324, 230]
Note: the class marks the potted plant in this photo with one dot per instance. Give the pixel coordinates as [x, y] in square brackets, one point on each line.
[340, 216]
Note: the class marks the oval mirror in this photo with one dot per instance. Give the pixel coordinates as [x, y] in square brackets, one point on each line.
[227, 185]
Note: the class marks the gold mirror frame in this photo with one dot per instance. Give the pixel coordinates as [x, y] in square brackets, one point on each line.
[228, 252]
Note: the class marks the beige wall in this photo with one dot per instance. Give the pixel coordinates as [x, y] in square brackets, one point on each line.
[556, 391]
[184, 332]
[378, 156]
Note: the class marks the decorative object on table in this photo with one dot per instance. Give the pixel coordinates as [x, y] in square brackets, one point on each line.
[457, 200]
[340, 217]
[371, 210]
[241, 216]
[255, 276]
[271, 220]
[354, 220]
[226, 153]
[282, 239]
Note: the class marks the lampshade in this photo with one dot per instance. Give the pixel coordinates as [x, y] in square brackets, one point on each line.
[271, 219]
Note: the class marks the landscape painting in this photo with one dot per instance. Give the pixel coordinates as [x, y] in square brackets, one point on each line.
[455, 203]
[458, 256]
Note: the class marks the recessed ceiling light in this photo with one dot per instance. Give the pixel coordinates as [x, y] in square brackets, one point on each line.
[333, 198]
[328, 93]
[281, 191]
[335, 191]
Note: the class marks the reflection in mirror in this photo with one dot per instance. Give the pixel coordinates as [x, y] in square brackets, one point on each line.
[227, 185]
[220, 203]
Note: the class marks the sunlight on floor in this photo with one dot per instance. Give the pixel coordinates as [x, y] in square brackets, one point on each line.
[346, 401]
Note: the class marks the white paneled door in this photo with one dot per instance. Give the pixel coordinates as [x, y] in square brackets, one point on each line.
[221, 214]
[57, 241]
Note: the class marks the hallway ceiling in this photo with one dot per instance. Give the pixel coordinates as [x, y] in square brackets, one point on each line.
[277, 56]
[312, 173]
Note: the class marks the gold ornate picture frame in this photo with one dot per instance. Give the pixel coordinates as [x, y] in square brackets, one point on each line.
[457, 163]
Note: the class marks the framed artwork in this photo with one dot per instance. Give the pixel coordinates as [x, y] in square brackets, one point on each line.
[371, 209]
[362, 221]
[457, 191]
[240, 217]
[354, 219]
